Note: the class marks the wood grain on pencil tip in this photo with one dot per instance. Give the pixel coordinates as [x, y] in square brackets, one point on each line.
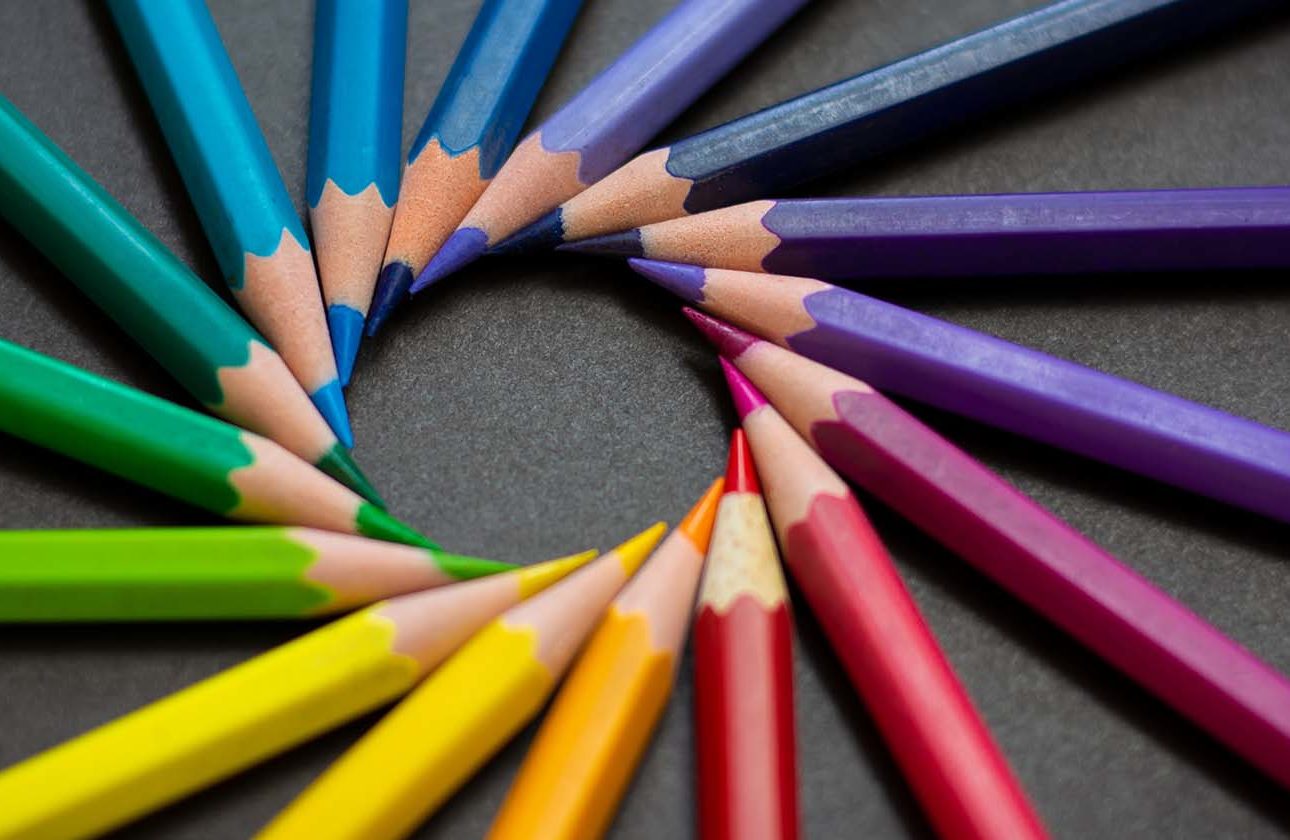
[651, 83]
[253, 711]
[404, 768]
[1059, 573]
[355, 135]
[769, 152]
[599, 726]
[1024, 391]
[469, 131]
[177, 451]
[975, 235]
[235, 186]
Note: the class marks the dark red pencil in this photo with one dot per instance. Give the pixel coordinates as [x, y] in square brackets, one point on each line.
[743, 668]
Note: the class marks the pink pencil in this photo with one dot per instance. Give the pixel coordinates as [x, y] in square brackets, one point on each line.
[1125, 619]
[942, 745]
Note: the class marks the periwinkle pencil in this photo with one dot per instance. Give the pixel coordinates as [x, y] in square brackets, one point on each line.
[743, 672]
[470, 130]
[767, 153]
[253, 711]
[157, 300]
[1006, 385]
[355, 136]
[192, 574]
[1113, 610]
[235, 186]
[894, 662]
[679, 58]
[407, 765]
[599, 725]
[976, 235]
[177, 451]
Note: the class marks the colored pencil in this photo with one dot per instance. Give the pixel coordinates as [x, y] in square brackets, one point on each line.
[895, 663]
[253, 711]
[404, 768]
[470, 130]
[679, 58]
[993, 381]
[1063, 576]
[1037, 54]
[191, 574]
[157, 300]
[192, 457]
[235, 186]
[355, 135]
[743, 672]
[976, 235]
[597, 730]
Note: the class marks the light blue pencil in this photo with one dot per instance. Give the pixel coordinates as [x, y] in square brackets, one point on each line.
[225, 162]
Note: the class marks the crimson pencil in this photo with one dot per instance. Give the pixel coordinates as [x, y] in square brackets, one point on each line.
[1116, 612]
[743, 672]
[927, 719]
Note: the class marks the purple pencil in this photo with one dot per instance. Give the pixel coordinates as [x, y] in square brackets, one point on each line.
[611, 119]
[1021, 546]
[971, 235]
[994, 381]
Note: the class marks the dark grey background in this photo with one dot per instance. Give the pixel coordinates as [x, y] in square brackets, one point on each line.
[531, 408]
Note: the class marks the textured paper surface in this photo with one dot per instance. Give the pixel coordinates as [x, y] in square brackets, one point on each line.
[523, 410]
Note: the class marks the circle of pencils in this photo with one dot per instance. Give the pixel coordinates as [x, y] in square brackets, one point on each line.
[472, 649]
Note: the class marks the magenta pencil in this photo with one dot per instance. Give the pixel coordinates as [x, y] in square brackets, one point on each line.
[1117, 613]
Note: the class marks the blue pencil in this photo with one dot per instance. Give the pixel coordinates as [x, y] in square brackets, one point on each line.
[470, 130]
[355, 135]
[225, 162]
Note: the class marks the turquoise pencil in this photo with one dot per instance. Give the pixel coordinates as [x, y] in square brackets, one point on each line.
[470, 130]
[225, 162]
[355, 135]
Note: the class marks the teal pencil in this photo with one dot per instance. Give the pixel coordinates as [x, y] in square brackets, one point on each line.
[252, 226]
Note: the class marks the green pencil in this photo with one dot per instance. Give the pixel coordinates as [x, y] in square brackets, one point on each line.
[157, 300]
[167, 447]
[151, 574]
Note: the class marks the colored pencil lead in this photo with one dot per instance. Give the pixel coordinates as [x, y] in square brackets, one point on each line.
[253, 711]
[407, 765]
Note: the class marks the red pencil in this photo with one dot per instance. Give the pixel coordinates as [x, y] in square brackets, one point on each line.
[947, 754]
[743, 672]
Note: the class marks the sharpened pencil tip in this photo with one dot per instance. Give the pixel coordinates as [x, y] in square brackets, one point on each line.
[730, 341]
[339, 464]
[543, 235]
[747, 399]
[391, 288]
[346, 326]
[684, 281]
[625, 243]
[331, 404]
[462, 248]
[373, 522]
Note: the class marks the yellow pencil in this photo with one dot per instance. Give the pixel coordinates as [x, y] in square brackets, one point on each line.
[597, 729]
[250, 712]
[420, 753]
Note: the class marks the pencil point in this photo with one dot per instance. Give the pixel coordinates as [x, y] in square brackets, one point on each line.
[467, 568]
[346, 326]
[535, 578]
[339, 464]
[684, 281]
[331, 404]
[466, 245]
[625, 243]
[697, 524]
[391, 288]
[373, 522]
[543, 235]
[634, 552]
[741, 474]
[746, 397]
[730, 341]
